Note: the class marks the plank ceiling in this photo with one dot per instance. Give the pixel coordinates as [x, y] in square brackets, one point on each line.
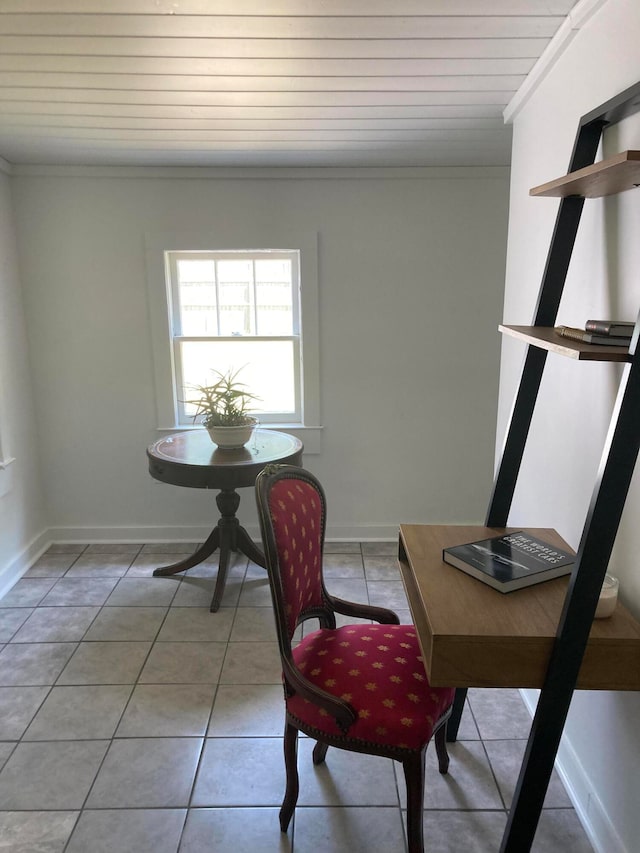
[265, 82]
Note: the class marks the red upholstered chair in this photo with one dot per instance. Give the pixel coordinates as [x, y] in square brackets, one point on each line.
[360, 687]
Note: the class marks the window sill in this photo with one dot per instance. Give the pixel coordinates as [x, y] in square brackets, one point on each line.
[310, 436]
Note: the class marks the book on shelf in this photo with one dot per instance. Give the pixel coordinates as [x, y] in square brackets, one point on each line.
[621, 328]
[591, 338]
[511, 561]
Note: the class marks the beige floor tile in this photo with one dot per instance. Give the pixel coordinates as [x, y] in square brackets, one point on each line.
[18, 706]
[144, 592]
[79, 713]
[254, 624]
[49, 775]
[140, 773]
[248, 710]
[252, 663]
[10, 621]
[357, 830]
[377, 549]
[105, 663]
[198, 592]
[28, 832]
[66, 548]
[28, 592]
[56, 625]
[126, 623]
[471, 831]
[343, 566]
[499, 713]
[382, 568]
[387, 594]
[145, 563]
[241, 830]
[342, 548]
[506, 757]
[90, 565]
[164, 710]
[128, 831]
[33, 663]
[6, 749]
[108, 686]
[469, 784]
[169, 547]
[121, 548]
[51, 566]
[183, 663]
[560, 830]
[254, 773]
[345, 778]
[79, 592]
[197, 624]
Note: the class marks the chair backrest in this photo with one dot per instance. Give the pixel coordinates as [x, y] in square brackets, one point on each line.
[291, 507]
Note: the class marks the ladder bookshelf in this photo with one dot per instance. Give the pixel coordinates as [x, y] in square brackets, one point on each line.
[585, 179]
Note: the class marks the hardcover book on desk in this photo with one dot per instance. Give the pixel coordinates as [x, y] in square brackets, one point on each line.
[510, 562]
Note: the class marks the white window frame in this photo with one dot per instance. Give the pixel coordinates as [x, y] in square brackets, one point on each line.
[307, 426]
[178, 338]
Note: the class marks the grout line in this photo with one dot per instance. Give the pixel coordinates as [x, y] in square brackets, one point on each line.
[217, 685]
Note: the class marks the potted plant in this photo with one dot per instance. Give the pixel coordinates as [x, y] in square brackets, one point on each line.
[225, 407]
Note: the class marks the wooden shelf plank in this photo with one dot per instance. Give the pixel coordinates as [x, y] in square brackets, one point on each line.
[474, 636]
[545, 337]
[613, 175]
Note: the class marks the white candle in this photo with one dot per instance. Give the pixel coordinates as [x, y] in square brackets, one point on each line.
[608, 597]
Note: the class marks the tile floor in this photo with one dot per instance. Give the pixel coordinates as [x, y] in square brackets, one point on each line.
[133, 720]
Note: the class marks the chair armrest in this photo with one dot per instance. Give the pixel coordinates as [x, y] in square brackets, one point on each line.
[364, 611]
[342, 711]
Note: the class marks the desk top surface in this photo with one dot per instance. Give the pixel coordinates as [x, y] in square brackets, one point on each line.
[473, 635]
[191, 459]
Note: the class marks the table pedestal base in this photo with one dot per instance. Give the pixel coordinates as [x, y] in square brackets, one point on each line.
[228, 535]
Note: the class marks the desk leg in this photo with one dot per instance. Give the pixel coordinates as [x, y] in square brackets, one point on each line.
[453, 722]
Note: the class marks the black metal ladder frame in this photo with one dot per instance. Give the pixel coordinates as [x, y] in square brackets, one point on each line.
[607, 501]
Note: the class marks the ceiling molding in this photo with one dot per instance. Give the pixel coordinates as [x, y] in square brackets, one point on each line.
[575, 20]
[310, 174]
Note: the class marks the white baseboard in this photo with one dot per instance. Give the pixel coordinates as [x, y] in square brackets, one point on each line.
[141, 534]
[16, 567]
[23, 561]
[199, 532]
[589, 809]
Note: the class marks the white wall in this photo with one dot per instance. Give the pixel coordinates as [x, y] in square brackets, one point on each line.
[601, 747]
[411, 272]
[21, 518]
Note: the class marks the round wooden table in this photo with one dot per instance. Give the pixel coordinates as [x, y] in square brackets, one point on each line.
[191, 459]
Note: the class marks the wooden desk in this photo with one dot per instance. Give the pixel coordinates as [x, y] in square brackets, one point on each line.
[191, 459]
[473, 636]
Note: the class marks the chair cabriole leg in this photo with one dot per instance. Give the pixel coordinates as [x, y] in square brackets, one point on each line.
[414, 776]
[291, 766]
[440, 738]
[320, 752]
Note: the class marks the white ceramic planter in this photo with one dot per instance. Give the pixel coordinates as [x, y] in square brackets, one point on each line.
[230, 437]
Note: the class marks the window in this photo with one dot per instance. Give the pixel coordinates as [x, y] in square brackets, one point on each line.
[237, 311]
[216, 301]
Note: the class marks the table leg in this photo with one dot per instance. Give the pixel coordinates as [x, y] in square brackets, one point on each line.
[233, 537]
[205, 550]
[228, 536]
